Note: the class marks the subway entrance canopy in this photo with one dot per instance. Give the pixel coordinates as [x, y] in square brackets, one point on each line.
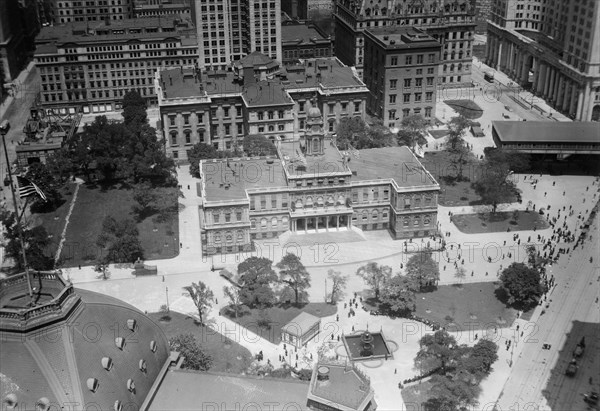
[548, 137]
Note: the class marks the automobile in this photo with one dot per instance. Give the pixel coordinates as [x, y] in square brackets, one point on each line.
[572, 368]
[546, 346]
[488, 76]
[505, 115]
[591, 398]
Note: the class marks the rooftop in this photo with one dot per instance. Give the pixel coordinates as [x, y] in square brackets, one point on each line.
[256, 59]
[187, 390]
[547, 131]
[266, 93]
[180, 82]
[300, 34]
[229, 180]
[324, 165]
[300, 324]
[128, 29]
[398, 37]
[398, 163]
[332, 74]
[346, 386]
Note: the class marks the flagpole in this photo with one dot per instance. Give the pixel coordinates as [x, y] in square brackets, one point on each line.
[4, 127]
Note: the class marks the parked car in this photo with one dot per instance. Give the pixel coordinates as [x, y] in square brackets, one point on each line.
[572, 368]
[591, 398]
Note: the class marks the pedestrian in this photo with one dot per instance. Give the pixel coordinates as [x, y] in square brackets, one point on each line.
[395, 371]
[476, 336]
[80, 266]
[216, 301]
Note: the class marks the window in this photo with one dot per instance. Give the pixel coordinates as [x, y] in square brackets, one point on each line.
[419, 59]
[253, 223]
[408, 60]
[271, 115]
[365, 196]
[416, 221]
[407, 202]
[386, 194]
[392, 98]
[406, 221]
[227, 217]
[431, 58]
[186, 119]
[273, 202]
[418, 97]
[406, 97]
[238, 216]
[356, 106]
[391, 114]
[263, 222]
[274, 222]
[427, 112]
[429, 96]
[216, 217]
[300, 107]
[355, 197]
[261, 116]
[393, 84]
[426, 220]
[418, 82]
[394, 61]
[407, 82]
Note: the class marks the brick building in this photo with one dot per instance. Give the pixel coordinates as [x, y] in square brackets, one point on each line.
[401, 71]
[257, 96]
[304, 41]
[92, 66]
[67, 11]
[450, 22]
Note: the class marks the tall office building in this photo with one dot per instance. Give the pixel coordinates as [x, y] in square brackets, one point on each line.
[552, 47]
[450, 22]
[231, 29]
[19, 24]
[66, 11]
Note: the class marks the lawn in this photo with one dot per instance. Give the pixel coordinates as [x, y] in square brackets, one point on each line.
[159, 239]
[228, 355]
[499, 222]
[415, 395]
[278, 316]
[472, 305]
[468, 108]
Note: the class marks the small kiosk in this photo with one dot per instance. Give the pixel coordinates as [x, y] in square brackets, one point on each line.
[300, 330]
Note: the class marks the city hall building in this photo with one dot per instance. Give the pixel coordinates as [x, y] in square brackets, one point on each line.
[312, 187]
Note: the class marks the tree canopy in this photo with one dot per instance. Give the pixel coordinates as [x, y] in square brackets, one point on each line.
[202, 151]
[356, 133]
[120, 239]
[134, 108]
[294, 275]
[256, 276]
[412, 131]
[375, 276]
[398, 295]
[36, 242]
[423, 269]
[41, 175]
[338, 285]
[258, 145]
[189, 348]
[456, 144]
[522, 285]
[202, 296]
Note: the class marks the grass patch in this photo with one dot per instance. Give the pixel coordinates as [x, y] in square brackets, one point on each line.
[228, 355]
[277, 316]
[468, 108]
[415, 395]
[159, 239]
[471, 305]
[439, 133]
[499, 222]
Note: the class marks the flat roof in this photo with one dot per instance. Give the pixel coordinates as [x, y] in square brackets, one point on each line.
[181, 82]
[323, 165]
[547, 131]
[300, 34]
[266, 93]
[300, 324]
[398, 163]
[220, 182]
[345, 386]
[332, 74]
[399, 37]
[192, 390]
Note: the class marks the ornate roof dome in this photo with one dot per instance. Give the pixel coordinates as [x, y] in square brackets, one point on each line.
[314, 112]
[75, 346]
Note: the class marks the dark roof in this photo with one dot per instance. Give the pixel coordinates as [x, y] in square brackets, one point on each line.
[547, 131]
[398, 163]
[266, 93]
[255, 59]
[301, 34]
[401, 37]
[220, 182]
[301, 324]
[58, 364]
[178, 82]
[189, 390]
[324, 165]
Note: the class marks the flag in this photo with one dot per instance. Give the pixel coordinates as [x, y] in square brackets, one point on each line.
[28, 188]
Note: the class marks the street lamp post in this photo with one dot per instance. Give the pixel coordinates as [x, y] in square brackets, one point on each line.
[167, 294]
[4, 127]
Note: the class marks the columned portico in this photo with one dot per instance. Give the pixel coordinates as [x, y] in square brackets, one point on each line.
[319, 224]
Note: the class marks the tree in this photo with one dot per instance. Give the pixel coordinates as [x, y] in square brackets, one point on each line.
[189, 348]
[376, 135]
[347, 131]
[234, 294]
[485, 352]
[202, 296]
[412, 131]
[256, 277]
[535, 260]
[495, 183]
[398, 295]
[338, 285]
[422, 268]
[36, 242]
[201, 151]
[293, 274]
[375, 276]
[456, 144]
[522, 284]
[60, 164]
[436, 350]
[134, 108]
[121, 240]
[441, 402]
[258, 145]
[144, 196]
[455, 392]
[460, 274]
